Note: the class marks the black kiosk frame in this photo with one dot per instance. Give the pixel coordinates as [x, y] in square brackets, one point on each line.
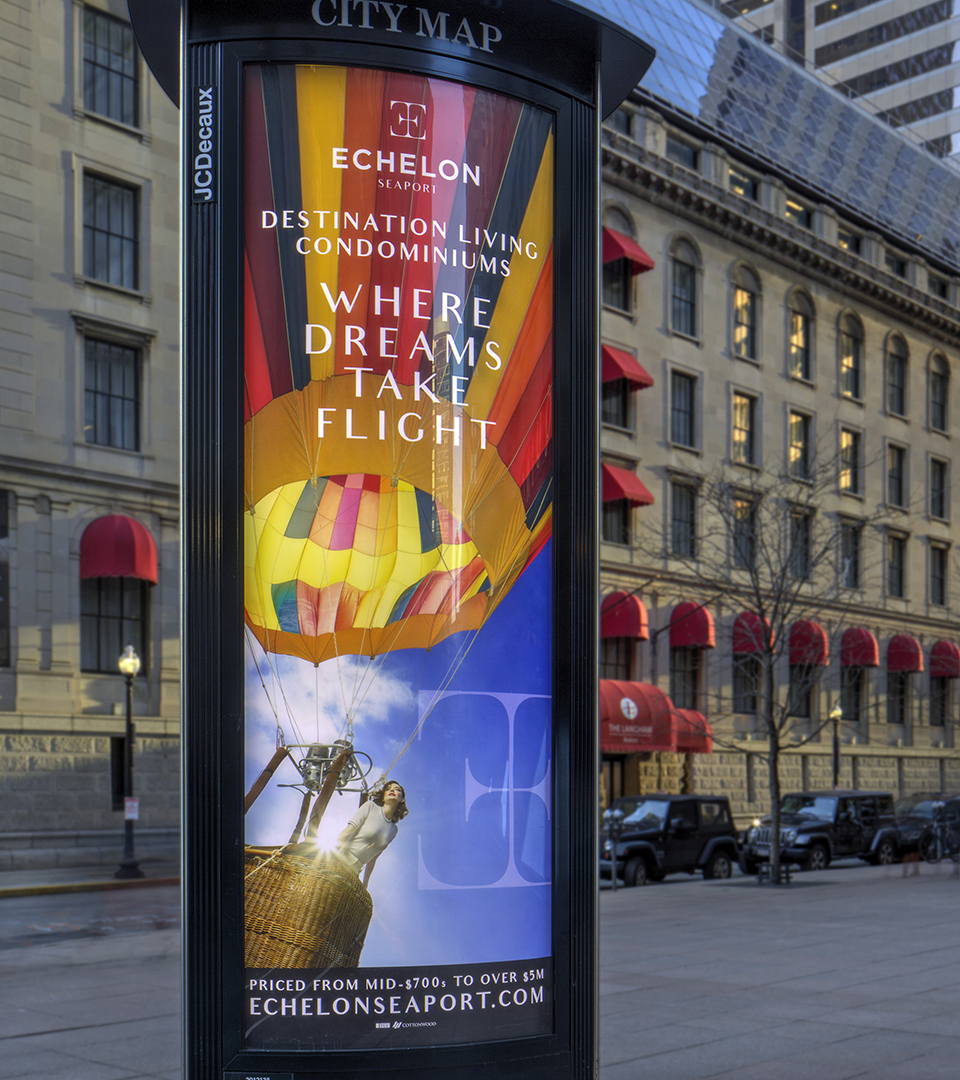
[556, 62]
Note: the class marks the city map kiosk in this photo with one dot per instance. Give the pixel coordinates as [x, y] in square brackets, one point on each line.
[390, 488]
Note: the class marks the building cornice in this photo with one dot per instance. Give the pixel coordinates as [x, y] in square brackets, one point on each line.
[43, 477]
[627, 165]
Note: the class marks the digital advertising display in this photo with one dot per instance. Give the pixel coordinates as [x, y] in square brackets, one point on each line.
[398, 579]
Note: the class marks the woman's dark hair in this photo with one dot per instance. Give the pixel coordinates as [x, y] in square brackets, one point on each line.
[402, 810]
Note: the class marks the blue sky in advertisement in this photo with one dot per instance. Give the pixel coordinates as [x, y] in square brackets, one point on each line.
[467, 878]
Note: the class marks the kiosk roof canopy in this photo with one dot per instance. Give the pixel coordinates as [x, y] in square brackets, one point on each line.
[623, 56]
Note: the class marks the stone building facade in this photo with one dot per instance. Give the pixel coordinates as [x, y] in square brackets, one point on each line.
[777, 318]
[89, 432]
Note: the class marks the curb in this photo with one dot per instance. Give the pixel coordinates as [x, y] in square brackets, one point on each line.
[85, 886]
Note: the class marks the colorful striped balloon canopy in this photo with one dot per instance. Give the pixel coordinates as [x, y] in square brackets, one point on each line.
[398, 356]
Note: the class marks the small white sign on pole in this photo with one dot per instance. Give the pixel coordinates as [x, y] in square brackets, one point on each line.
[132, 809]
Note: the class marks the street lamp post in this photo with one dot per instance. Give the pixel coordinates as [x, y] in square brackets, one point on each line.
[835, 714]
[129, 665]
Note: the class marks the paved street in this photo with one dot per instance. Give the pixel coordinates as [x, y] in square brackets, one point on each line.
[90, 985]
[853, 972]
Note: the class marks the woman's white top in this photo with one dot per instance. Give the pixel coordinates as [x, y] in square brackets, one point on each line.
[368, 833]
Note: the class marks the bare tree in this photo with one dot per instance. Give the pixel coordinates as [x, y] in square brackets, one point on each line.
[767, 542]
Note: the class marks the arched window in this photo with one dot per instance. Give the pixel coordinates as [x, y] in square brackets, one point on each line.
[746, 313]
[939, 393]
[683, 288]
[118, 563]
[851, 357]
[801, 336]
[897, 357]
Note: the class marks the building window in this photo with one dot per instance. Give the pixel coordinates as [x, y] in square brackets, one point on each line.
[799, 458]
[744, 429]
[616, 658]
[941, 708]
[683, 520]
[618, 284]
[897, 376]
[938, 489]
[849, 241]
[851, 358]
[111, 395]
[743, 184]
[898, 696]
[682, 152]
[938, 575]
[109, 232]
[850, 449]
[683, 390]
[615, 403]
[683, 292]
[685, 677]
[797, 213]
[4, 579]
[801, 322]
[799, 561]
[896, 264]
[746, 313]
[746, 683]
[617, 521]
[113, 615]
[851, 694]
[939, 388]
[896, 565]
[744, 533]
[803, 679]
[938, 286]
[896, 475]
[851, 536]
[621, 121]
[110, 65]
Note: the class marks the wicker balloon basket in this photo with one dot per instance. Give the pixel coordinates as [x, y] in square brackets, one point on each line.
[302, 911]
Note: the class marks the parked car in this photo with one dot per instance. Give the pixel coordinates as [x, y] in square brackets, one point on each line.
[670, 834]
[817, 827]
[915, 813]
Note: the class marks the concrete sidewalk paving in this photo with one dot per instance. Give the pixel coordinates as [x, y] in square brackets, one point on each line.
[850, 972]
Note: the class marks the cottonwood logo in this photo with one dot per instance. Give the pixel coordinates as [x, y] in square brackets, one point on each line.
[204, 162]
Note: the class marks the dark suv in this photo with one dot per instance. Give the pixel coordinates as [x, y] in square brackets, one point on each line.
[915, 814]
[669, 834]
[819, 826]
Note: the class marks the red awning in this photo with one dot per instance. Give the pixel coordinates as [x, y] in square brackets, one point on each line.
[623, 484]
[693, 733]
[904, 654]
[691, 625]
[616, 245]
[808, 644]
[623, 615]
[945, 660]
[636, 718]
[859, 648]
[748, 633]
[617, 364]
[118, 546]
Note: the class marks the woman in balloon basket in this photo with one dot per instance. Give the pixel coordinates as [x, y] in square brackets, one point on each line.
[372, 829]
[309, 909]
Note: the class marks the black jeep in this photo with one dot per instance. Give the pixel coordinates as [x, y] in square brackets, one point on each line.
[819, 826]
[669, 834]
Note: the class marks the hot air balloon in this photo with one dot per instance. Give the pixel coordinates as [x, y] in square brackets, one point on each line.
[398, 366]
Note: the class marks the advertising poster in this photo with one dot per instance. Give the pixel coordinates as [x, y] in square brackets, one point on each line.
[398, 374]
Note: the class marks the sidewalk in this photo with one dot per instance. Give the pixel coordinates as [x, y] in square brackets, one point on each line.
[66, 879]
